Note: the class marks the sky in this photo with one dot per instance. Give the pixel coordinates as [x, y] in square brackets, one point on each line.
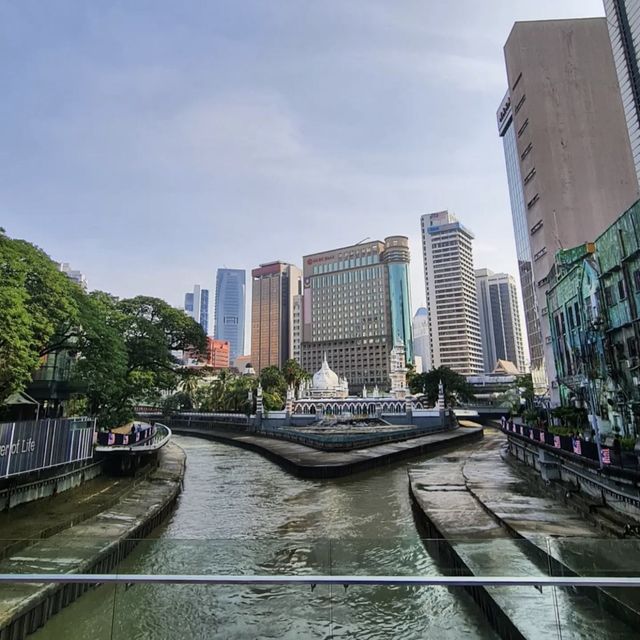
[149, 142]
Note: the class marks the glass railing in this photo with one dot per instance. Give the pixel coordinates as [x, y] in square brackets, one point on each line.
[75, 588]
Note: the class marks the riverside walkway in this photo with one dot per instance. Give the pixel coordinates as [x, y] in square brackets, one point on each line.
[495, 523]
[106, 523]
[307, 462]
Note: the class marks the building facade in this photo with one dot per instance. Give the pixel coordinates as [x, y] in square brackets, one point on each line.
[73, 274]
[499, 319]
[356, 307]
[594, 307]
[230, 309]
[274, 287]
[452, 306]
[572, 150]
[532, 312]
[196, 305]
[623, 20]
[296, 329]
[218, 353]
[420, 328]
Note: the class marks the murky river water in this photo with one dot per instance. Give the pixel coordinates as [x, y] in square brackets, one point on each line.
[240, 513]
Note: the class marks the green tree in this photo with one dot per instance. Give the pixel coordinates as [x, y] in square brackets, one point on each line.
[524, 385]
[101, 371]
[125, 353]
[456, 388]
[39, 311]
[274, 388]
[293, 373]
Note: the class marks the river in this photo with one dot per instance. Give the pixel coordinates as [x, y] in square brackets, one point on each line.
[240, 513]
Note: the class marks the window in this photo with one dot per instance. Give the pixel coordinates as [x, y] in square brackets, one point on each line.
[543, 282]
[536, 227]
[529, 177]
[533, 201]
[636, 279]
[632, 347]
[515, 84]
[526, 151]
[521, 130]
[520, 103]
[539, 254]
[622, 292]
[608, 296]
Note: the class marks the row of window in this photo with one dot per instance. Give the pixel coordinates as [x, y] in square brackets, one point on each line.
[360, 261]
[346, 277]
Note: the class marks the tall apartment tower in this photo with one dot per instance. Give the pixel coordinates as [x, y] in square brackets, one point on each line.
[420, 327]
[567, 152]
[196, 305]
[230, 309]
[623, 20]
[356, 308]
[452, 306]
[499, 319]
[274, 287]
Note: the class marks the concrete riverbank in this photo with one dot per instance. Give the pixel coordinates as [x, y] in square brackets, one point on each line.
[489, 521]
[95, 545]
[307, 462]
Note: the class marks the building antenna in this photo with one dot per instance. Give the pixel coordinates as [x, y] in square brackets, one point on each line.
[363, 240]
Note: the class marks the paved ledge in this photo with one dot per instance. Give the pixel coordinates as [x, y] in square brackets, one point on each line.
[307, 462]
[489, 522]
[93, 546]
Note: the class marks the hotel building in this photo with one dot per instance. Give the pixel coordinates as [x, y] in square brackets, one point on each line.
[356, 307]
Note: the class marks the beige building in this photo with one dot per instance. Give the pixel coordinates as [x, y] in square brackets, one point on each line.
[356, 307]
[567, 151]
[450, 287]
[275, 286]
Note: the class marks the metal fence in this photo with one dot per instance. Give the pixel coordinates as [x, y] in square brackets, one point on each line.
[574, 446]
[35, 445]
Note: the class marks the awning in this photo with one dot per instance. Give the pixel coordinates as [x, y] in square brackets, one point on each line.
[20, 397]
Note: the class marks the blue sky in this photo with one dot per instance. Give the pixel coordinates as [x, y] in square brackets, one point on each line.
[150, 142]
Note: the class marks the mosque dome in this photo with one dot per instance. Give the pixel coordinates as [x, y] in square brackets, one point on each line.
[325, 378]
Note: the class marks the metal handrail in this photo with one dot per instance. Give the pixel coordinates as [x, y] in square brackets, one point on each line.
[346, 580]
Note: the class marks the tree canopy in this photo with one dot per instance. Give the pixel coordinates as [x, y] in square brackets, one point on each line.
[456, 388]
[39, 311]
[122, 348]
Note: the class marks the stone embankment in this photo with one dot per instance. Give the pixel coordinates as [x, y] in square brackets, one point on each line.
[95, 545]
[487, 519]
[307, 462]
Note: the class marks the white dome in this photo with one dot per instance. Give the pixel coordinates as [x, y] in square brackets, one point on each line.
[325, 378]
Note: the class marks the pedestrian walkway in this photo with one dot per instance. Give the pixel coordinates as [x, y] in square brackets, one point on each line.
[497, 525]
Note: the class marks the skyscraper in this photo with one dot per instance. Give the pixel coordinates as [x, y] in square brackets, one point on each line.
[499, 319]
[567, 151]
[452, 306]
[230, 309]
[623, 19]
[274, 287]
[196, 305]
[356, 307]
[420, 326]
